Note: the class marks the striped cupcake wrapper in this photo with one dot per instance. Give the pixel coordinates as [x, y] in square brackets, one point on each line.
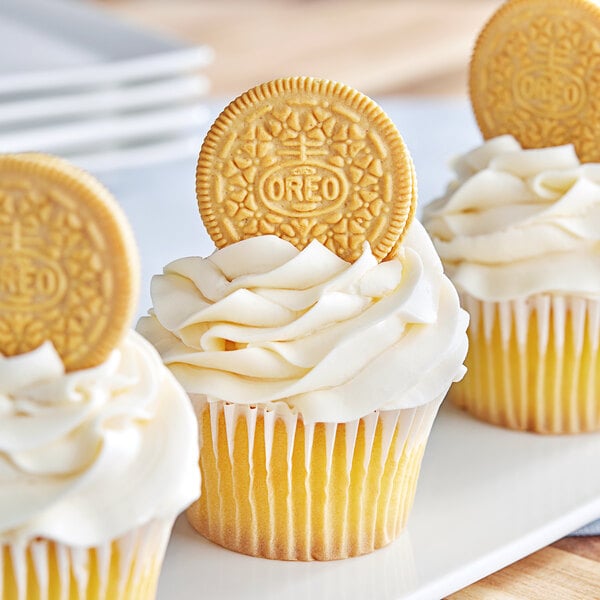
[533, 364]
[276, 487]
[125, 568]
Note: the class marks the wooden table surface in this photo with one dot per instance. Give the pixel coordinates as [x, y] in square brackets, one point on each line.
[380, 47]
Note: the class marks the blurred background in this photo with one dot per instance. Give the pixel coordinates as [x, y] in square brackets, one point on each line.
[127, 89]
[126, 83]
[416, 47]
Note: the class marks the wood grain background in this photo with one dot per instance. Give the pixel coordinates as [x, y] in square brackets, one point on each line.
[418, 47]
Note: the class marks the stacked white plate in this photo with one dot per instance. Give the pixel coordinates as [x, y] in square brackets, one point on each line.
[76, 82]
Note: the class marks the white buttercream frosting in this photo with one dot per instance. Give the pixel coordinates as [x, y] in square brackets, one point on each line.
[262, 323]
[520, 222]
[89, 455]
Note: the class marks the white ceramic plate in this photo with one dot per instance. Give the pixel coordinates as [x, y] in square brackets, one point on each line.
[105, 94]
[73, 138]
[54, 44]
[486, 498]
[104, 101]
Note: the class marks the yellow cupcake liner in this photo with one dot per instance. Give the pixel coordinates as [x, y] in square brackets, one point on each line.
[126, 568]
[276, 487]
[533, 364]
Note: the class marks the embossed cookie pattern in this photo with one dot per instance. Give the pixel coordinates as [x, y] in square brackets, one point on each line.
[306, 159]
[68, 266]
[535, 74]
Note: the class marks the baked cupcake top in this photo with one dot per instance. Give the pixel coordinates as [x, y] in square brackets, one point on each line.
[88, 455]
[261, 322]
[519, 222]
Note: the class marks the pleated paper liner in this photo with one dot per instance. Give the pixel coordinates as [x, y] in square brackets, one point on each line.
[126, 568]
[275, 487]
[533, 364]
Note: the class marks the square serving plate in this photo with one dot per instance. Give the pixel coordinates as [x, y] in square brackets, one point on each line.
[486, 496]
[101, 92]
[56, 44]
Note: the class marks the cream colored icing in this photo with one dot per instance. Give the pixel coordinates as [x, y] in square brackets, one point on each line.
[261, 323]
[520, 222]
[89, 455]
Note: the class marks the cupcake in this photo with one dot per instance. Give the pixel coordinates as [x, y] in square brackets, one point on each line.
[95, 465]
[316, 368]
[98, 441]
[518, 233]
[517, 230]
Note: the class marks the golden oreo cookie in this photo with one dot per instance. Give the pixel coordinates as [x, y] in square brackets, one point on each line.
[534, 74]
[306, 159]
[68, 264]
[396, 247]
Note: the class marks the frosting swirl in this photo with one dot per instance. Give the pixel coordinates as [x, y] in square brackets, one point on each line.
[88, 455]
[260, 322]
[520, 222]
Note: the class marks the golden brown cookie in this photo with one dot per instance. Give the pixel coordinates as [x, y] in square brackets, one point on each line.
[69, 269]
[305, 159]
[534, 74]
